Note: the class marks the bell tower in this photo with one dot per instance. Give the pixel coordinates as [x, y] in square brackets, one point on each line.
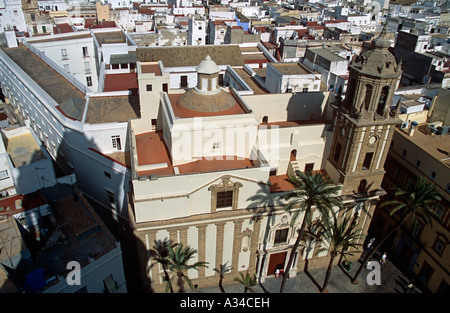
[364, 121]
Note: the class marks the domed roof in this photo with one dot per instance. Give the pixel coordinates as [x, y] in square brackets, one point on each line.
[201, 102]
[378, 60]
[208, 66]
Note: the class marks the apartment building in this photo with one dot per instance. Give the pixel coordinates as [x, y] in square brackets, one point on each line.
[78, 61]
[419, 151]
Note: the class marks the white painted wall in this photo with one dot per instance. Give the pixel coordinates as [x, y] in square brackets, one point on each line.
[93, 274]
[12, 15]
[71, 139]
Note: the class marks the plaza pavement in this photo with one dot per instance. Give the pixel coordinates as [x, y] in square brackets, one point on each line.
[392, 281]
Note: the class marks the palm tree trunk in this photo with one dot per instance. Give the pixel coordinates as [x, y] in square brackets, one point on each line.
[369, 255]
[180, 284]
[328, 274]
[291, 257]
[167, 277]
[221, 283]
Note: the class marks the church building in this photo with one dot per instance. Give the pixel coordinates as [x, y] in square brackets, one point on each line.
[211, 169]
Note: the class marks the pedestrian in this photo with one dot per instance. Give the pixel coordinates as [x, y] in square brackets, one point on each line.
[383, 258]
[410, 286]
[369, 245]
[277, 272]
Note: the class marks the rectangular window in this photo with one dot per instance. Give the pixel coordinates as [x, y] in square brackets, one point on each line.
[281, 236]
[115, 66]
[433, 175]
[85, 52]
[66, 68]
[109, 284]
[64, 54]
[183, 81]
[425, 273]
[404, 153]
[367, 160]
[439, 246]
[89, 81]
[87, 67]
[149, 87]
[165, 87]
[216, 145]
[309, 167]
[224, 199]
[33, 17]
[417, 230]
[116, 142]
[418, 162]
[111, 199]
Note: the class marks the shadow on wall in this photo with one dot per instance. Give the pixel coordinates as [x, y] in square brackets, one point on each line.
[304, 106]
[110, 198]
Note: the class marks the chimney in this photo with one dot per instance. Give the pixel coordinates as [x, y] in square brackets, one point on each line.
[11, 39]
[412, 128]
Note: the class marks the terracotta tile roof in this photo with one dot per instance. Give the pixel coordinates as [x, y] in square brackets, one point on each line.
[29, 201]
[151, 68]
[191, 55]
[151, 149]
[119, 82]
[63, 28]
[280, 183]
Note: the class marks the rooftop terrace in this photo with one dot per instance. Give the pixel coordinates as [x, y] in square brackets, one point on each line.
[151, 150]
[23, 149]
[291, 68]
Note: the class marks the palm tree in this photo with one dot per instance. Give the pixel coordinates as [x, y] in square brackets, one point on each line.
[248, 281]
[160, 253]
[419, 196]
[341, 237]
[313, 190]
[223, 269]
[179, 257]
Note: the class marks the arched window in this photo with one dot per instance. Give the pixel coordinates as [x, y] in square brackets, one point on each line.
[368, 96]
[265, 119]
[293, 155]
[350, 93]
[362, 186]
[383, 100]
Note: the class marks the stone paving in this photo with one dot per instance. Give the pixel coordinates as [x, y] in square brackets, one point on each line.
[392, 281]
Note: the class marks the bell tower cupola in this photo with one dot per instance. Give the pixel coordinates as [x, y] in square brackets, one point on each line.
[374, 75]
[364, 122]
